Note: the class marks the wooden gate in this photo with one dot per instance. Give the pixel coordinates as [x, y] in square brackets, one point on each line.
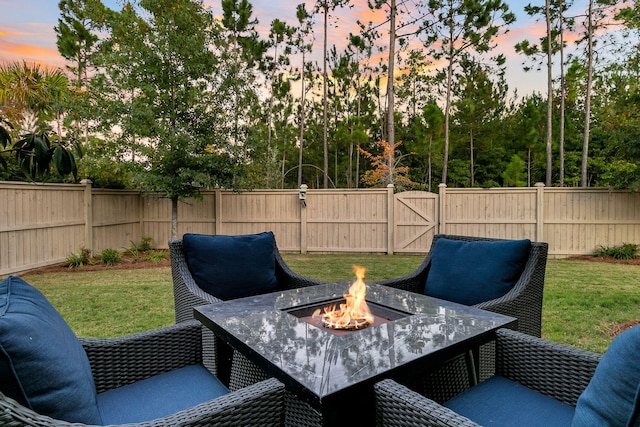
[415, 221]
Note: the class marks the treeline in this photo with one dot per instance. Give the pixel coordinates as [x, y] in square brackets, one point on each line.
[165, 97]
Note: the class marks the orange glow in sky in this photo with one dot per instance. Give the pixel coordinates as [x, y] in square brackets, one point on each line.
[27, 32]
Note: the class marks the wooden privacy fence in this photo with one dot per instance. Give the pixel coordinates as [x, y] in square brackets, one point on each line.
[43, 224]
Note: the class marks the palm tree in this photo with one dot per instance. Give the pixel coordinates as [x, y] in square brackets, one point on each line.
[30, 96]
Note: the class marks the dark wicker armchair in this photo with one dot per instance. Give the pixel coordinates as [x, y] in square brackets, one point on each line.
[187, 294]
[219, 358]
[120, 361]
[557, 371]
[523, 301]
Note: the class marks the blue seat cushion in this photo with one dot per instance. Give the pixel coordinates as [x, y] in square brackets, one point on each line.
[42, 364]
[473, 272]
[159, 396]
[612, 397]
[230, 267]
[502, 402]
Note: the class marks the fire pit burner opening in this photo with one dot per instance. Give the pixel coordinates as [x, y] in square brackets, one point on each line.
[348, 314]
[381, 315]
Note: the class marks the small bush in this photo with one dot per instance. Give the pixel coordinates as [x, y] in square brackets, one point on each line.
[145, 243]
[157, 256]
[77, 260]
[136, 249]
[624, 251]
[110, 256]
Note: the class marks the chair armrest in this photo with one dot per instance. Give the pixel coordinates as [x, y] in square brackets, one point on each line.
[259, 405]
[119, 361]
[556, 370]
[398, 406]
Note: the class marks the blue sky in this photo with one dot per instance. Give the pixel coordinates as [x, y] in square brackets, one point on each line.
[27, 32]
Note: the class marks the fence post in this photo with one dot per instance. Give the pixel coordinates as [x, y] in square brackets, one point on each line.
[442, 209]
[218, 211]
[88, 214]
[390, 220]
[303, 218]
[539, 211]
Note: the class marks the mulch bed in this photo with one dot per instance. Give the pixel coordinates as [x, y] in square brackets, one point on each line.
[126, 263]
[635, 261]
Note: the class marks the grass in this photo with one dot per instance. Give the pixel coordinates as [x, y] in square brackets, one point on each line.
[583, 300]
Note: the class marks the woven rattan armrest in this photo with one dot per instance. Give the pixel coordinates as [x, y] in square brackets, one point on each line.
[119, 361]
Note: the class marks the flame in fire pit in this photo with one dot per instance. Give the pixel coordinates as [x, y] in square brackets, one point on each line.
[354, 313]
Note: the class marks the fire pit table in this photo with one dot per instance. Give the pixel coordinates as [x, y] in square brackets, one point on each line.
[334, 370]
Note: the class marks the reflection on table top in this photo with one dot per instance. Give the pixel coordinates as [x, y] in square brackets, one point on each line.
[324, 363]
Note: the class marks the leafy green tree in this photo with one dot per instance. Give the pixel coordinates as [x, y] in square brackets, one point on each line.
[514, 174]
[479, 107]
[463, 26]
[77, 37]
[158, 67]
[552, 42]
[280, 40]
[423, 136]
[617, 121]
[240, 57]
[400, 30]
[303, 32]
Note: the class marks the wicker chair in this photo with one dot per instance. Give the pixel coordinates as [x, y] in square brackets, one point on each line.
[187, 294]
[523, 301]
[120, 361]
[555, 370]
[220, 359]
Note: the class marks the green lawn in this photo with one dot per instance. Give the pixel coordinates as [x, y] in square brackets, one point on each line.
[583, 300]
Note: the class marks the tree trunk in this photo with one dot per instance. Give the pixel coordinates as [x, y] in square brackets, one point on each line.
[390, 95]
[549, 97]
[587, 103]
[325, 178]
[447, 113]
[471, 172]
[302, 119]
[563, 95]
[174, 217]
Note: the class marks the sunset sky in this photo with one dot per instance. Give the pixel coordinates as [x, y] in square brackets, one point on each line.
[27, 32]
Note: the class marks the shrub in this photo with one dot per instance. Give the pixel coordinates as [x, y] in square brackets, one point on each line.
[624, 251]
[157, 256]
[145, 243]
[110, 256]
[76, 260]
[136, 248]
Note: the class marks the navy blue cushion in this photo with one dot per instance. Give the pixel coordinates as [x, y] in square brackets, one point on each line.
[611, 398]
[501, 402]
[230, 267]
[42, 363]
[159, 396]
[473, 272]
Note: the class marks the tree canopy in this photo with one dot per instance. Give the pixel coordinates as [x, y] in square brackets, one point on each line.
[173, 97]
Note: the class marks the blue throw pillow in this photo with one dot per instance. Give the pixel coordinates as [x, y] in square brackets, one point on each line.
[611, 398]
[473, 272]
[230, 267]
[42, 363]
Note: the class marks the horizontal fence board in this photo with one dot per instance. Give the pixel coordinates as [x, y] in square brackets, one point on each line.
[42, 224]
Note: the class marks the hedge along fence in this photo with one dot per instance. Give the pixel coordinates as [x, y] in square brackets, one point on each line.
[42, 224]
